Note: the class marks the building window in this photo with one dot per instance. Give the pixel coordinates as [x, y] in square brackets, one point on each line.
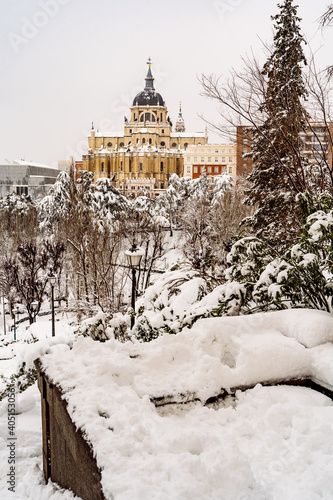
[121, 166]
[188, 170]
[186, 145]
[109, 144]
[195, 170]
[209, 159]
[143, 140]
[102, 166]
[223, 159]
[161, 166]
[130, 166]
[162, 185]
[121, 144]
[224, 170]
[216, 170]
[209, 170]
[188, 159]
[195, 159]
[22, 190]
[141, 165]
[162, 130]
[195, 151]
[161, 117]
[130, 130]
[202, 159]
[163, 144]
[174, 145]
[230, 151]
[216, 150]
[230, 159]
[216, 159]
[230, 170]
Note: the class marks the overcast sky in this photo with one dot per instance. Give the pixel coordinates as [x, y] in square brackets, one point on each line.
[66, 63]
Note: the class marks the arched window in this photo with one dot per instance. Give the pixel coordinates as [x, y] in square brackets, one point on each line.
[161, 166]
[143, 140]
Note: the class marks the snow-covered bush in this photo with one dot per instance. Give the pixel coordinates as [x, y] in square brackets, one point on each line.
[22, 379]
[301, 277]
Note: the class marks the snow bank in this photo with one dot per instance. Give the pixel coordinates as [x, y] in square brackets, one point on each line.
[182, 452]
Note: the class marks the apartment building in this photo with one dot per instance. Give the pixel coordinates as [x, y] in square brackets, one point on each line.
[214, 159]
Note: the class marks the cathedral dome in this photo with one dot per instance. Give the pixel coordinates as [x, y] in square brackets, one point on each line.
[148, 96]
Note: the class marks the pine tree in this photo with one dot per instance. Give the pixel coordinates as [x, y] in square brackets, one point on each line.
[280, 170]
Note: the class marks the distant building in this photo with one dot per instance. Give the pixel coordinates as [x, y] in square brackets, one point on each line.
[147, 152]
[315, 143]
[66, 165]
[23, 177]
[214, 159]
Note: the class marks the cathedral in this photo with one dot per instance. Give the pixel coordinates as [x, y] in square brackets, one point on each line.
[148, 152]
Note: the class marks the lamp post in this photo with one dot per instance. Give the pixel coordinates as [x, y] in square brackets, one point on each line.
[52, 280]
[15, 310]
[34, 307]
[134, 256]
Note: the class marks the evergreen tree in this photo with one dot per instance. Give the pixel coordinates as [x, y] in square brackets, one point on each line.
[280, 170]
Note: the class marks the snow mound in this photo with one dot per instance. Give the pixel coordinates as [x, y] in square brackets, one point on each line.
[110, 389]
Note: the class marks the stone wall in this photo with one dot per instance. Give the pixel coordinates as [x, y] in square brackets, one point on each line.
[67, 457]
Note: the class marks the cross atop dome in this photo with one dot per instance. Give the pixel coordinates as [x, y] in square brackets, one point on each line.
[149, 77]
[148, 97]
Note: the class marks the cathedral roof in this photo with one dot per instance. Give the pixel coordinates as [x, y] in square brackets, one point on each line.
[148, 96]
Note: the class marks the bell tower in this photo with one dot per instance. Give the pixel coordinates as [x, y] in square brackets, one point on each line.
[180, 124]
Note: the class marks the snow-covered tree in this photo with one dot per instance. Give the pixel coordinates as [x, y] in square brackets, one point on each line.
[58, 203]
[18, 219]
[26, 272]
[279, 171]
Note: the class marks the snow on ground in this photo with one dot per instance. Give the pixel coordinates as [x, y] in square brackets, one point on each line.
[266, 443]
[28, 444]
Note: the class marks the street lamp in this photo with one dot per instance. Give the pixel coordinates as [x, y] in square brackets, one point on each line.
[15, 311]
[34, 307]
[52, 280]
[134, 256]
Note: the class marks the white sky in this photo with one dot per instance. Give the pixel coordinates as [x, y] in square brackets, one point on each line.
[66, 63]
